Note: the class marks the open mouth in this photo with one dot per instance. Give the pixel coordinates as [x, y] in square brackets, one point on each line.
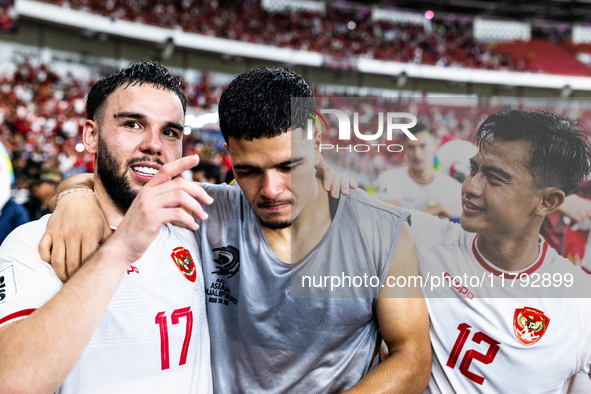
[145, 171]
[469, 206]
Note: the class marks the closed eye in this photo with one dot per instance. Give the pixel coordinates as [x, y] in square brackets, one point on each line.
[288, 168]
[246, 172]
[494, 178]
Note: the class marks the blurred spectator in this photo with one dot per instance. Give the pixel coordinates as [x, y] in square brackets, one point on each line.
[567, 230]
[206, 172]
[41, 190]
[8, 16]
[420, 186]
[12, 214]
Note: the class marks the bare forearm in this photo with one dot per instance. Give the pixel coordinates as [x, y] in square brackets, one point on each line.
[38, 352]
[73, 182]
[401, 372]
[404, 324]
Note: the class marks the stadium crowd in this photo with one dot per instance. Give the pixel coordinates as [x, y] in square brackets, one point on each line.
[338, 32]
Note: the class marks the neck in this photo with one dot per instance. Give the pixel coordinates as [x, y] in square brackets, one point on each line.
[509, 253]
[112, 212]
[424, 175]
[292, 244]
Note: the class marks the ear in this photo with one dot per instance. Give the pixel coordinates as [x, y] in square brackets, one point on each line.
[226, 146]
[90, 136]
[551, 200]
[317, 143]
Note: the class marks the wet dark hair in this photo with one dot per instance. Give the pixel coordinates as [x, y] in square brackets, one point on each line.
[258, 104]
[135, 74]
[561, 155]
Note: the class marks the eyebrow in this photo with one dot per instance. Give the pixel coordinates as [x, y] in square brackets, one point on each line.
[138, 116]
[493, 169]
[295, 160]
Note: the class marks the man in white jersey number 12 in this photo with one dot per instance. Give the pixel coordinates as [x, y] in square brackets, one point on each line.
[127, 321]
[508, 314]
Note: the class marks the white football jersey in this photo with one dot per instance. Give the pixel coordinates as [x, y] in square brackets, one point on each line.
[493, 331]
[153, 337]
[397, 184]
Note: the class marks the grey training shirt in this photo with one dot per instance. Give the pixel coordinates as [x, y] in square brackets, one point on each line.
[268, 336]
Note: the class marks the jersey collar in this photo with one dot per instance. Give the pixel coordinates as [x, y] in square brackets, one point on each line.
[511, 274]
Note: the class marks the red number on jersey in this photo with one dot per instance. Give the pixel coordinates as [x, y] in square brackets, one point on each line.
[472, 354]
[161, 321]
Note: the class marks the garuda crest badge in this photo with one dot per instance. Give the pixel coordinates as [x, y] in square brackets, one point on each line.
[529, 325]
[184, 263]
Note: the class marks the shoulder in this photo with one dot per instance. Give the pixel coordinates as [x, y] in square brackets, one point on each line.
[224, 196]
[183, 234]
[222, 189]
[567, 279]
[28, 234]
[359, 199]
[22, 246]
[228, 210]
[430, 231]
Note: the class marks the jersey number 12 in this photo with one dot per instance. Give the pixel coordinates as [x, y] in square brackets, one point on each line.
[472, 354]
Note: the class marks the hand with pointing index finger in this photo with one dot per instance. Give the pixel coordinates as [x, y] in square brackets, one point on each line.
[164, 199]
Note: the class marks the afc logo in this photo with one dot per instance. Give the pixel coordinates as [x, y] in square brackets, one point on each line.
[227, 261]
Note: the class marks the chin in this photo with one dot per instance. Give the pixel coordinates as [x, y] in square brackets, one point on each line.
[468, 225]
[276, 224]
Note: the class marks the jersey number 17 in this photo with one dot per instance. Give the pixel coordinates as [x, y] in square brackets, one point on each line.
[161, 321]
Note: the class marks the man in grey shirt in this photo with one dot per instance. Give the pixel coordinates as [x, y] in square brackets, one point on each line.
[279, 224]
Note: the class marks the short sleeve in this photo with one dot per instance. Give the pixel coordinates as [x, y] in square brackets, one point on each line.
[26, 281]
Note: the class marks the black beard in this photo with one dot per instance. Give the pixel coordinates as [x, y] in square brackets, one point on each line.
[116, 185]
[276, 225]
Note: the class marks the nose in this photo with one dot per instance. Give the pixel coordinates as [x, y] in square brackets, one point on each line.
[473, 185]
[152, 142]
[272, 185]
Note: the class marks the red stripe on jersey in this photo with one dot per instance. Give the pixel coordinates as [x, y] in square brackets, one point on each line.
[24, 312]
[506, 275]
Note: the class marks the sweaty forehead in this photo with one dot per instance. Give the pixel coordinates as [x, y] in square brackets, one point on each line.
[512, 156]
